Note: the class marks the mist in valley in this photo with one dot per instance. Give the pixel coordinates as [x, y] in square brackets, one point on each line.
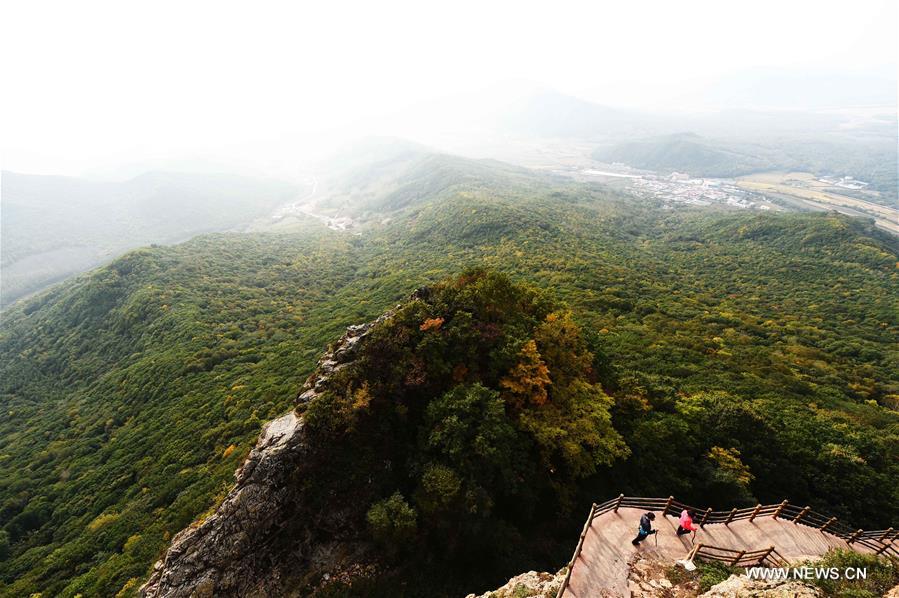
[181, 121]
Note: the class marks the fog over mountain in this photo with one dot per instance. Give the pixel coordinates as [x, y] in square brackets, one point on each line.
[53, 227]
[281, 95]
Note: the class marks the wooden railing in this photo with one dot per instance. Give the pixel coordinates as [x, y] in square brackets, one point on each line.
[764, 557]
[878, 541]
[577, 550]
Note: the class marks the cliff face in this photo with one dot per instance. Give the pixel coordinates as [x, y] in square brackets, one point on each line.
[224, 554]
[260, 541]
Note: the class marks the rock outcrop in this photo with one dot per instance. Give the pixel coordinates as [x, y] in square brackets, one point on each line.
[649, 577]
[220, 554]
[740, 586]
[260, 540]
[528, 585]
[343, 353]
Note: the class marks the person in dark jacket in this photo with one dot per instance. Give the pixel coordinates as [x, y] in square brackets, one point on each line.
[645, 528]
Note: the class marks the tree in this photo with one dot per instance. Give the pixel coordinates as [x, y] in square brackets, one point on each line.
[728, 477]
[574, 431]
[527, 382]
[473, 447]
[393, 522]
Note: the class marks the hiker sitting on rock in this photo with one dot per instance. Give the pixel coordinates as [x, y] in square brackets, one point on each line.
[686, 523]
[645, 528]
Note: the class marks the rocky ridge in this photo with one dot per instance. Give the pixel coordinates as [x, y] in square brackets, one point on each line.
[241, 549]
[341, 355]
[218, 555]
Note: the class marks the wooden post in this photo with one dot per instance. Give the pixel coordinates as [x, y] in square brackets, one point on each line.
[767, 554]
[780, 508]
[755, 512]
[731, 516]
[801, 514]
[882, 548]
[667, 506]
[737, 558]
[885, 534]
[692, 554]
[855, 536]
[705, 516]
[618, 504]
[830, 522]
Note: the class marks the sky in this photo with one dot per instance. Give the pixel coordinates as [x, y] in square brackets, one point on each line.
[88, 84]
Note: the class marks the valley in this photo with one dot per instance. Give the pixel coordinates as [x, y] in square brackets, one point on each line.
[804, 189]
[680, 190]
[132, 393]
[775, 191]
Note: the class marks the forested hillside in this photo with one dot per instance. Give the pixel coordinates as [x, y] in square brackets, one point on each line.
[745, 358]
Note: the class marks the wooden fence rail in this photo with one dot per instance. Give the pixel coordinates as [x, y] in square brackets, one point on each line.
[767, 557]
[577, 550]
[880, 542]
[784, 510]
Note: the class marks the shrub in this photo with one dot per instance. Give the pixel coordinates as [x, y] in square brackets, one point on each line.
[392, 521]
[881, 574]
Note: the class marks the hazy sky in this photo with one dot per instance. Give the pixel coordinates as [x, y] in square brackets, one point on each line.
[92, 83]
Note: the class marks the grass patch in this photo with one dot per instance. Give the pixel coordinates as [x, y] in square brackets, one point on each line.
[881, 574]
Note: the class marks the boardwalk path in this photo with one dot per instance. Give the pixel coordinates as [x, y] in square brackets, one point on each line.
[601, 567]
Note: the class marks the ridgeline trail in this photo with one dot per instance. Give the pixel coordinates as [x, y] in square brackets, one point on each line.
[770, 535]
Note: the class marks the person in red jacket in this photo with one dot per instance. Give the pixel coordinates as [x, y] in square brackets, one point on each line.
[686, 523]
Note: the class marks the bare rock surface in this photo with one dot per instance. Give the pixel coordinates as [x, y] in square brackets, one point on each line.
[343, 353]
[740, 586]
[649, 577]
[261, 539]
[218, 555]
[528, 585]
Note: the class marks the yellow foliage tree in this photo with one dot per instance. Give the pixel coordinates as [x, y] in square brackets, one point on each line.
[527, 383]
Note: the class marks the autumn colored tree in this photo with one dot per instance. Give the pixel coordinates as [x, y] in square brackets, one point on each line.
[527, 383]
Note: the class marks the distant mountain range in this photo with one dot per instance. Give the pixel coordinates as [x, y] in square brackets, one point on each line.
[53, 227]
[858, 141]
[872, 159]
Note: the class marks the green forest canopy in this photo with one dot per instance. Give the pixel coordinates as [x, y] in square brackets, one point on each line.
[745, 357]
